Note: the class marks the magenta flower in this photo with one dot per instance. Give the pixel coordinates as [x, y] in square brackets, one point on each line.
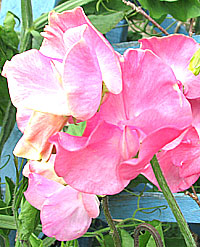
[129, 129]
[177, 51]
[180, 165]
[66, 213]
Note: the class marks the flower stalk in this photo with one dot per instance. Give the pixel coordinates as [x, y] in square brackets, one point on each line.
[113, 230]
[190, 242]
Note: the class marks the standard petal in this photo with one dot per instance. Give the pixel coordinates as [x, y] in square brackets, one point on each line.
[63, 215]
[176, 51]
[107, 58]
[82, 80]
[94, 168]
[34, 143]
[39, 189]
[33, 83]
[151, 96]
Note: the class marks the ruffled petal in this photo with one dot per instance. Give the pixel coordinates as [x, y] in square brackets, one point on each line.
[33, 84]
[63, 215]
[34, 143]
[94, 167]
[39, 189]
[177, 51]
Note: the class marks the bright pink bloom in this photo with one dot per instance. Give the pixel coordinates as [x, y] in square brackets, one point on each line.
[180, 165]
[149, 113]
[177, 51]
[66, 213]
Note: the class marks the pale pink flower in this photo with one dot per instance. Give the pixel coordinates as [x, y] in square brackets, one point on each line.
[63, 79]
[66, 213]
[180, 165]
[120, 140]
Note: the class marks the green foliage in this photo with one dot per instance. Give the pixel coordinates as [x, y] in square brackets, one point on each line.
[8, 47]
[28, 220]
[104, 23]
[180, 9]
[146, 239]
[194, 65]
[76, 129]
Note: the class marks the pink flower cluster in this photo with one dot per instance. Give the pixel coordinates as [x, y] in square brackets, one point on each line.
[151, 107]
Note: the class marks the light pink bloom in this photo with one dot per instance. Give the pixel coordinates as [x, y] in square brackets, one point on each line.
[63, 79]
[177, 50]
[65, 76]
[149, 113]
[37, 127]
[180, 165]
[66, 213]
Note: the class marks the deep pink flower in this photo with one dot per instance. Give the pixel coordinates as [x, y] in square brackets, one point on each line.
[66, 213]
[180, 165]
[177, 51]
[127, 131]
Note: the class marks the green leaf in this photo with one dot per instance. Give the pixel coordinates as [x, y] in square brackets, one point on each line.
[28, 220]
[4, 96]
[47, 242]
[126, 238]
[76, 129]
[180, 10]
[146, 239]
[104, 23]
[37, 39]
[7, 222]
[4, 239]
[194, 65]
[35, 241]
[10, 186]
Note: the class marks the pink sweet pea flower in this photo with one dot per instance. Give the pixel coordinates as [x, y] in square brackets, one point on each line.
[63, 79]
[180, 165]
[65, 76]
[177, 51]
[129, 129]
[66, 213]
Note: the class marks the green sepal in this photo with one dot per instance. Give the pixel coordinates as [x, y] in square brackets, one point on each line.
[194, 65]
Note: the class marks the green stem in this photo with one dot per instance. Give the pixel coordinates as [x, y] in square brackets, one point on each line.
[113, 230]
[172, 203]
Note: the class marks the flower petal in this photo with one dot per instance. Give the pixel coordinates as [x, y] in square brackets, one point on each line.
[94, 168]
[39, 189]
[64, 216]
[176, 51]
[34, 143]
[33, 84]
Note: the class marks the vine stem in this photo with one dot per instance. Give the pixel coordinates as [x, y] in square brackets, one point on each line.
[190, 242]
[113, 230]
[142, 12]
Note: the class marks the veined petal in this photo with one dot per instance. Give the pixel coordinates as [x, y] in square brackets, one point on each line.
[107, 58]
[93, 168]
[34, 143]
[63, 215]
[176, 51]
[33, 84]
[150, 93]
[82, 80]
[39, 189]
